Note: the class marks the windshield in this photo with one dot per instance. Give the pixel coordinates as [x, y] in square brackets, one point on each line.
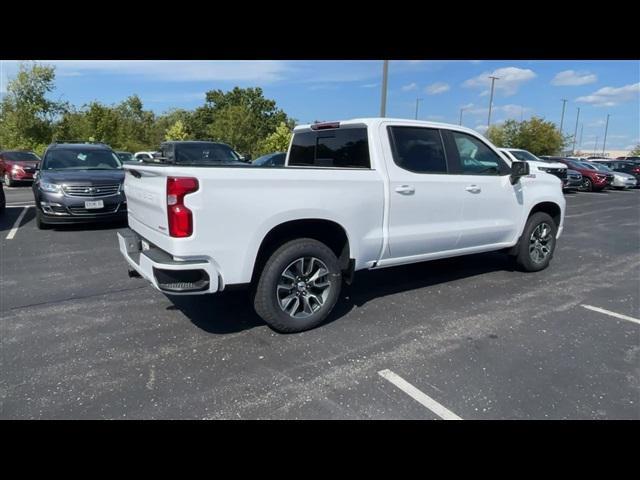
[202, 154]
[78, 159]
[524, 156]
[125, 156]
[21, 156]
[602, 168]
[586, 165]
[270, 159]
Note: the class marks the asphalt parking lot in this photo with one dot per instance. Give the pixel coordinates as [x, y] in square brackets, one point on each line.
[466, 338]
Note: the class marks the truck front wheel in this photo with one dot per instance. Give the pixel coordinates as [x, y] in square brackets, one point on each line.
[299, 286]
[537, 243]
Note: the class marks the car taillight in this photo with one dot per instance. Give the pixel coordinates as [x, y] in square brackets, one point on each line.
[180, 217]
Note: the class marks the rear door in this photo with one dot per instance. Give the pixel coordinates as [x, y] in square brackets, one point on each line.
[425, 204]
[492, 207]
[146, 188]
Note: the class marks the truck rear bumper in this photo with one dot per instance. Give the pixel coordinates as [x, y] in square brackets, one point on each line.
[174, 277]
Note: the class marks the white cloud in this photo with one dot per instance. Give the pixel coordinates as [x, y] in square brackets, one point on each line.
[510, 79]
[437, 88]
[369, 85]
[568, 78]
[409, 88]
[611, 96]
[177, 70]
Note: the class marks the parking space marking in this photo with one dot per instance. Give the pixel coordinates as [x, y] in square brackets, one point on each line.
[612, 314]
[16, 225]
[418, 396]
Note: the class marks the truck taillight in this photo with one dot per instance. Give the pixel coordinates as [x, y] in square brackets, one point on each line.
[180, 217]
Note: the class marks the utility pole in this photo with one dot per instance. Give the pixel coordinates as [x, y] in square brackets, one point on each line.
[575, 133]
[383, 100]
[461, 110]
[493, 81]
[564, 103]
[581, 131]
[417, 101]
[604, 142]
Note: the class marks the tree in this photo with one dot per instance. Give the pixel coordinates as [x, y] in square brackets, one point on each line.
[26, 112]
[536, 135]
[177, 131]
[635, 152]
[235, 126]
[278, 141]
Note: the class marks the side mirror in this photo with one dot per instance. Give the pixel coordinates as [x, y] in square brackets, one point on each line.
[518, 169]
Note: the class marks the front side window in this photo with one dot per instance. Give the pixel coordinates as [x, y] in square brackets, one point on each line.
[77, 159]
[476, 158]
[335, 148]
[419, 150]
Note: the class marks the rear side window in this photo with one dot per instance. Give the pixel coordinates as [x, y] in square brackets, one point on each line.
[419, 150]
[337, 148]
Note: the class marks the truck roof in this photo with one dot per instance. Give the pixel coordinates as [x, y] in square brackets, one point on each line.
[374, 121]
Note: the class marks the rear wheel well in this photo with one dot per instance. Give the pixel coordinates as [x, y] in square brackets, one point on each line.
[550, 208]
[325, 231]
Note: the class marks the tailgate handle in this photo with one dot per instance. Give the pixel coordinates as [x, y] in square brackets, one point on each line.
[135, 173]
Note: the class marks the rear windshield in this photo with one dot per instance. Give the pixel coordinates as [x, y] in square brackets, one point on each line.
[79, 159]
[21, 156]
[336, 148]
[200, 153]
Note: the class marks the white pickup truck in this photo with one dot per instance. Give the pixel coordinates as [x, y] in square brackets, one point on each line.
[358, 194]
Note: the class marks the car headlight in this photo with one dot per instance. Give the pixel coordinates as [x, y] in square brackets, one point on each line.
[16, 168]
[50, 187]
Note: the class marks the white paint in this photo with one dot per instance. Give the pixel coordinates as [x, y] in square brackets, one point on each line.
[16, 225]
[418, 396]
[612, 314]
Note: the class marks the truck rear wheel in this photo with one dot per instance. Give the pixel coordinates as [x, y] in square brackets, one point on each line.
[537, 243]
[298, 286]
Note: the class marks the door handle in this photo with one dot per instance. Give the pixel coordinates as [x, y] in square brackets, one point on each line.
[406, 189]
[473, 189]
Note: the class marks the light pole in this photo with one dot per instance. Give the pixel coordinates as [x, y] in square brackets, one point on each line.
[581, 131]
[383, 100]
[564, 103]
[604, 142]
[461, 110]
[575, 133]
[417, 102]
[493, 81]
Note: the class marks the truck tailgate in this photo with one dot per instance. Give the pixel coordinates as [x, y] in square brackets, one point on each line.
[146, 188]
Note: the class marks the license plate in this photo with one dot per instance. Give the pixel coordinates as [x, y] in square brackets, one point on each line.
[94, 204]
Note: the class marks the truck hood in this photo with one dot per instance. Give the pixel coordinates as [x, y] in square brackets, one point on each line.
[82, 177]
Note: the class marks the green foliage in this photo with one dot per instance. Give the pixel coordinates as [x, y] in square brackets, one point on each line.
[177, 131]
[278, 141]
[535, 135]
[242, 117]
[635, 152]
[26, 113]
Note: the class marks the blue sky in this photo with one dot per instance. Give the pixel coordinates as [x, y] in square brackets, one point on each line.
[326, 90]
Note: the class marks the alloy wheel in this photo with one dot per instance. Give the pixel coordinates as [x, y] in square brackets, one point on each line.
[303, 287]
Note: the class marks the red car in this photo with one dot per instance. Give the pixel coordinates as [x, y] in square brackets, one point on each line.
[17, 166]
[592, 180]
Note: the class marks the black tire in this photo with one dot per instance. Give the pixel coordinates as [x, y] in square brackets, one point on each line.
[525, 258]
[266, 301]
[7, 180]
[586, 185]
[40, 223]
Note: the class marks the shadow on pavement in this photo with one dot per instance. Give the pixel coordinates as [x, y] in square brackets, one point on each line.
[232, 311]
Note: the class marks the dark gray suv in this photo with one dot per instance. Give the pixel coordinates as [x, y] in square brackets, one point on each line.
[79, 183]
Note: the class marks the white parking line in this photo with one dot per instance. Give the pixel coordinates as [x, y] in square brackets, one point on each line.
[16, 225]
[613, 314]
[418, 396]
